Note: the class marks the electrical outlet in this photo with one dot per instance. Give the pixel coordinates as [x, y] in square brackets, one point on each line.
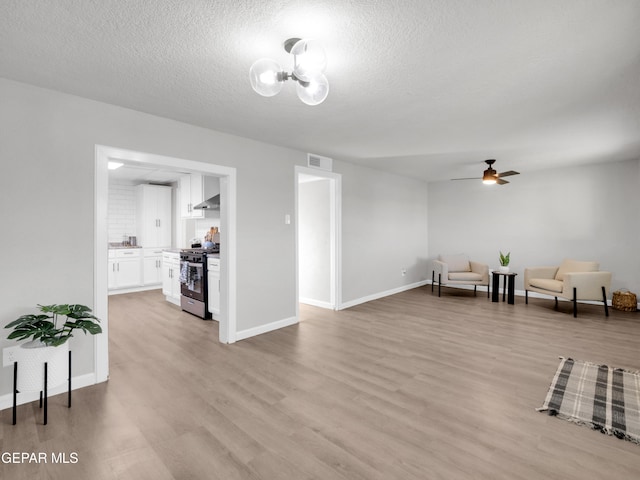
[404, 272]
[9, 356]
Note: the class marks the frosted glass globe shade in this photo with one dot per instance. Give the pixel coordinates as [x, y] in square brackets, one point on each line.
[264, 77]
[309, 59]
[315, 92]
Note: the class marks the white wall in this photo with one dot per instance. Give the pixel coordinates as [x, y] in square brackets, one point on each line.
[586, 213]
[47, 154]
[314, 242]
[384, 228]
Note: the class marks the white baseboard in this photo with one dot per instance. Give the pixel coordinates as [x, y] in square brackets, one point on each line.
[316, 303]
[81, 381]
[376, 296]
[269, 327]
[174, 300]
[480, 288]
[135, 289]
[521, 293]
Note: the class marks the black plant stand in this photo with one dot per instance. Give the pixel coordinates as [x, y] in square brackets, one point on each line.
[43, 398]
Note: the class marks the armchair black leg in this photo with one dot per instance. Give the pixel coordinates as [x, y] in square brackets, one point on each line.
[475, 287]
[604, 299]
[439, 282]
[487, 290]
[433, 279]
[575, 303]
[556, 307]
[526, 297]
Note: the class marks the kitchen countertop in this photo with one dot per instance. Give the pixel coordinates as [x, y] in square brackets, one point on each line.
[119, 246]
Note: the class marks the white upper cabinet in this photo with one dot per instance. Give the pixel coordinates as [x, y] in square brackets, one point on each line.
[195, 188]
[154, 215]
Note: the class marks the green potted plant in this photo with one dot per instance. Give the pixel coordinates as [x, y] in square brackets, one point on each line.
[504, 262]
[49, 333]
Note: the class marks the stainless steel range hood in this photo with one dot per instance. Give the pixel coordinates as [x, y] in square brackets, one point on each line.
[212, 203]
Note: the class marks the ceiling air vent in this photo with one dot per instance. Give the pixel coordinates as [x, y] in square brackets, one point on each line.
[316, 161]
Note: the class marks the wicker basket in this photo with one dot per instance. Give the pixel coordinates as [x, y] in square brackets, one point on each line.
[625, 301]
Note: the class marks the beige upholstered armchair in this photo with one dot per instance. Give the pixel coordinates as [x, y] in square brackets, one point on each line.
[572, 280]
[459, 270]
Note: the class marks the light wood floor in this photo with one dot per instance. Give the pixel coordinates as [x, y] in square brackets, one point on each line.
[408, 387]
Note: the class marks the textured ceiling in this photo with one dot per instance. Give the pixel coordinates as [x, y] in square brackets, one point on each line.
[422, 88]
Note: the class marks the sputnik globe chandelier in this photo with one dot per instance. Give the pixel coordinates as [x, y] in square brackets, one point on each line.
[309, 61]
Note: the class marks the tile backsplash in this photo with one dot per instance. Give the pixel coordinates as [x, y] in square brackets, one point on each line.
[121, 215]
[203, 225]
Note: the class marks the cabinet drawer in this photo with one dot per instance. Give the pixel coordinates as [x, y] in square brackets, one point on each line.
[153, 252]
[168, 256]
[128, 253]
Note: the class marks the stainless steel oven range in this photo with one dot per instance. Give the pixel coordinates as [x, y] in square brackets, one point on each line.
[193, 281]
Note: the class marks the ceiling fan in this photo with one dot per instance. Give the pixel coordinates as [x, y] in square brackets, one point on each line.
[490, 176]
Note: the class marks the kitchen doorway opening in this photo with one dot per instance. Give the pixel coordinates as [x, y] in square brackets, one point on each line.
[227, 176]
[318, 237]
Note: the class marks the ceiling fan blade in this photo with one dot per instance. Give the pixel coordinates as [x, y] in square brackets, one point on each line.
[499, 181]
[508, 173]
[468, 178]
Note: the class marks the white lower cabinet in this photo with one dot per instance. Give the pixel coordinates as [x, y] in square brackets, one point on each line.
[125, 268]
[152, 267]
[171, 276]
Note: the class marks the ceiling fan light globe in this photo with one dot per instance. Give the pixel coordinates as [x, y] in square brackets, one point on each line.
[489, 176]
[315, 90]
[264, 77]
[309, 59]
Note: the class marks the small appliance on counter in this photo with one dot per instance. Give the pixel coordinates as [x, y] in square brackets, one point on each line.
[129, 241]
[212, 238]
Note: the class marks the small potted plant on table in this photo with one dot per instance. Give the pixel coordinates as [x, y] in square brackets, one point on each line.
[504, 262]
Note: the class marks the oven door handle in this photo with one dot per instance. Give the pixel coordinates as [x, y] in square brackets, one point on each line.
[194, 264]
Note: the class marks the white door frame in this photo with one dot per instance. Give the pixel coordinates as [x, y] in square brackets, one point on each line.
[227, 327]
[335, 233]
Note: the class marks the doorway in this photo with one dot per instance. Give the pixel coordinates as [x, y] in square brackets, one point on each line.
[227, 175]
[318, 234]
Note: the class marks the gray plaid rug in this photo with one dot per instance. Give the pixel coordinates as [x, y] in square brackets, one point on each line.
[605, 398]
